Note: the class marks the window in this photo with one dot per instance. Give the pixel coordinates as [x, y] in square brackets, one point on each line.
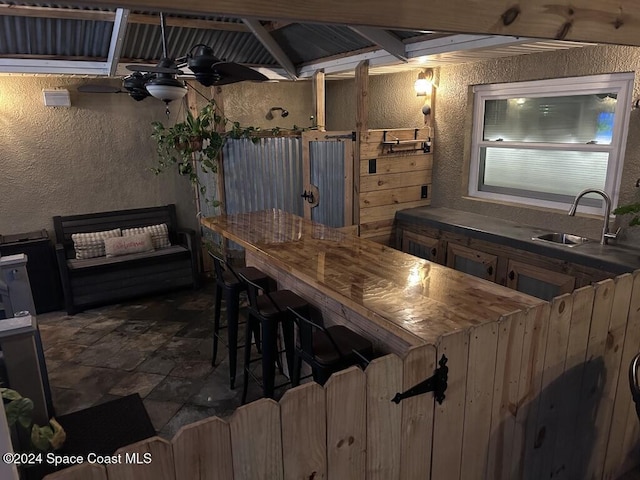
[540, 143]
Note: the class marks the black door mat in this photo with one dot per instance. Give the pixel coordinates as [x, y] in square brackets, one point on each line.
[105, 428]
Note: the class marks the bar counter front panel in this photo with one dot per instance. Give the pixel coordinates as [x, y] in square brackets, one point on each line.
[395, 299]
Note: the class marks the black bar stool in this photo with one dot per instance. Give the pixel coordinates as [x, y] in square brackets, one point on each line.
[229, 282]
[267, 312]
[327, 349]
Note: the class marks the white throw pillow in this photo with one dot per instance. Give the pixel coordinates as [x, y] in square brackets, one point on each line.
[159, 234]
[91, 244]
[130, 244]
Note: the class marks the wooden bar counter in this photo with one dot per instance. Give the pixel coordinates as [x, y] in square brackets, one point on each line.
[395, 299]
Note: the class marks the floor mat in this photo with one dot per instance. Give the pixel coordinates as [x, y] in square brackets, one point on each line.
[106, 427]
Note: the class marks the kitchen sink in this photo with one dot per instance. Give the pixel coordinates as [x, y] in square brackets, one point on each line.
[566, 239]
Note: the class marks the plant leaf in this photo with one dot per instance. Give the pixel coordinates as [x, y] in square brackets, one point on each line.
[21, 411]
[59, 435]
[9, 394]
[41, 437]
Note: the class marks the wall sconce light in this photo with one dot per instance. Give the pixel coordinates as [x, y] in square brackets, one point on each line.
[424, 82]
[284, 113]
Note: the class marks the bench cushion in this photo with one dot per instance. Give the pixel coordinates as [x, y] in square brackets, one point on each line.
[117, 246]
[80, 264]
[159, 234]
[91, 244]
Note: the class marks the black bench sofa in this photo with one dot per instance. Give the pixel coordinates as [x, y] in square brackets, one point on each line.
[103, 280]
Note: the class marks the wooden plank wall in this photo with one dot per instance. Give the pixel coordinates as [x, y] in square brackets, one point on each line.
[397, 182]
[541, 393]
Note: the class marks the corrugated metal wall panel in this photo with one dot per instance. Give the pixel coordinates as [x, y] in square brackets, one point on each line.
[327, 173]
[262, 175]
[258, 176]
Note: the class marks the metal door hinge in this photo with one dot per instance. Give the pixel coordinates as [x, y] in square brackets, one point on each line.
[437, 384]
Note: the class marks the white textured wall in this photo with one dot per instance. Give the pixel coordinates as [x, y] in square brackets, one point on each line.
[248, 103]
[452, 125]
[392, 102]
[94, 156]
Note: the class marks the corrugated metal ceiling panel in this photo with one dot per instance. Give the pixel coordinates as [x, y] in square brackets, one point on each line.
[55, 5]
[305, 42]
[198, 17]
[56, 37]
[144, 43]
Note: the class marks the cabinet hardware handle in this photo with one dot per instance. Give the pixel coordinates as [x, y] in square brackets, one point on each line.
[512, 275]
[308, 196]
[434, 252]
[490, 270]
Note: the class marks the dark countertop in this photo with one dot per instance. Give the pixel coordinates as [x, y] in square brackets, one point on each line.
[610, 258]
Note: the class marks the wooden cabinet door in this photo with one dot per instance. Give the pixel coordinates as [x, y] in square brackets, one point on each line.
[473, 262]
[422, 246]
[537, 281]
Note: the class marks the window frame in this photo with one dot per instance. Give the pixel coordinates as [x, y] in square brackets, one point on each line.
[620, 83]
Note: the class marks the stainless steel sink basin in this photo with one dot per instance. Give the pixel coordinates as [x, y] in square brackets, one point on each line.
[566, 239]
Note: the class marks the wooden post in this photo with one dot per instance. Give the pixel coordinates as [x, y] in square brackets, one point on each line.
[192, 105]
[431, 102]
[362, 124]
[319, 100]
[218, 97]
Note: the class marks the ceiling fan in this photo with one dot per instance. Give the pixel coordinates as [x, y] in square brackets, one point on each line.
[161, 81]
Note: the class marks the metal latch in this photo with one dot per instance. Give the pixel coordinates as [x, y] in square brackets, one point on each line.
[308, 196]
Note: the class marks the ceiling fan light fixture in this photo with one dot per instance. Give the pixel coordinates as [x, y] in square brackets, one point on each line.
[135, 85]
[166, 88]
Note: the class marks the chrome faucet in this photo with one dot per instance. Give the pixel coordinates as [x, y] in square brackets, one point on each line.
[606, 235]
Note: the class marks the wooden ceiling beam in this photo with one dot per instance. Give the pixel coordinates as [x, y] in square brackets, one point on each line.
[384, 40]
[105, 16]
[275, 25]
[147, 19]
[583, 20]
[272, 46]
[51, 12]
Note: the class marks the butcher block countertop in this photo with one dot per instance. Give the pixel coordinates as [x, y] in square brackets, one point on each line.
[395, 290]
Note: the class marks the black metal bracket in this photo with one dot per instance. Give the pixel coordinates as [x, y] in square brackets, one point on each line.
[308, 196]
[437, 384]
[424, 145]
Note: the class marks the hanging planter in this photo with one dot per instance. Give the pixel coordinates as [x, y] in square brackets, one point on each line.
[198, 138]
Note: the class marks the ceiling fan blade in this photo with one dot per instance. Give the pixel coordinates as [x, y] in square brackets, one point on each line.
[237, 71]
[229, 80]
[99, 89]
[154, 69]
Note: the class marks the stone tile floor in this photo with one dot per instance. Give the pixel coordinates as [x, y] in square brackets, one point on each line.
[159, 347]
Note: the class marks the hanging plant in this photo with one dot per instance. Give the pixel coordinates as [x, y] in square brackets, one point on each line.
[631, 208]
[200, 138]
